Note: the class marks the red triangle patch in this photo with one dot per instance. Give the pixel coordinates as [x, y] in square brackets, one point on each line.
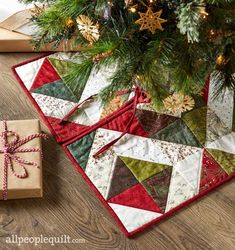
[65, 131]
[120, 123]
[211, 173]
[205, 91]
[137, 197]
[46, 74]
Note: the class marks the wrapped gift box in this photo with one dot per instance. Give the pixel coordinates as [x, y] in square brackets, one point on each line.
[16, 29]
[31, 185]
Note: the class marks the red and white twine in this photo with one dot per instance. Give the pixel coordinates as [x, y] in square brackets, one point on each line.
[9, 151]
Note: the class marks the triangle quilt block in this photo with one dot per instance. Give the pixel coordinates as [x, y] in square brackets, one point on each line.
[56, 97]
[158, 187]
[137, 197]
[45, 74]
[138, 173]
[122, 179]
[211, 172]
[142, 170]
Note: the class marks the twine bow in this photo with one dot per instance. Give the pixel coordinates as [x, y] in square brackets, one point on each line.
[9, 151]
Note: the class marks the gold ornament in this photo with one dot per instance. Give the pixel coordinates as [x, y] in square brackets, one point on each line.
[203, 13]
[221, 60]
[69, 23]
[129, 5]
[133, 8]
[151, 21]
[114, 104]
[101, 56]
[178, 102]
[88, 29]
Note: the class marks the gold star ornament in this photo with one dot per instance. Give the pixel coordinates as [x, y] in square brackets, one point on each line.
[151, 20]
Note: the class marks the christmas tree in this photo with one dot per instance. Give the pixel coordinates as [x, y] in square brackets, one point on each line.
[164, 46]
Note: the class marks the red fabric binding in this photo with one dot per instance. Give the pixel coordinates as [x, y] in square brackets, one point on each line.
[71, 112]
[138, 93]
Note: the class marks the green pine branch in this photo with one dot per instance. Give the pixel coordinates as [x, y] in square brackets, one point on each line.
[179, 58]
[78, 75]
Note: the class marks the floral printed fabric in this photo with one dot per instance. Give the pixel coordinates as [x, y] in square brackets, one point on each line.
[223, 104]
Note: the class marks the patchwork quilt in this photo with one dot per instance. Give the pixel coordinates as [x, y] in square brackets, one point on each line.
[45, 79]
[163, 163]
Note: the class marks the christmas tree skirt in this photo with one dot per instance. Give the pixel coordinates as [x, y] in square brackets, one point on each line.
[162, 164]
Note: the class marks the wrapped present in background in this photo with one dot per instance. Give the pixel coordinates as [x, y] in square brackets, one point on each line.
[17, 29]
[20, 159]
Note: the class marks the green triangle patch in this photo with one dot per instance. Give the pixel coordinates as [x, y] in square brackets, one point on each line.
[196, 121]
[158, 187]
[61, 67]
[56, 89]
[142, 170]
[177, 132]
[226, 160]
[81, 148]
[199, 103]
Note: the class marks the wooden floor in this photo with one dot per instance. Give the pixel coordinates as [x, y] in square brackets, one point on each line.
[69, 207]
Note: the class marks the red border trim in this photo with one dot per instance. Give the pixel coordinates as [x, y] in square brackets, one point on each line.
[151, 223]
[80, 170]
